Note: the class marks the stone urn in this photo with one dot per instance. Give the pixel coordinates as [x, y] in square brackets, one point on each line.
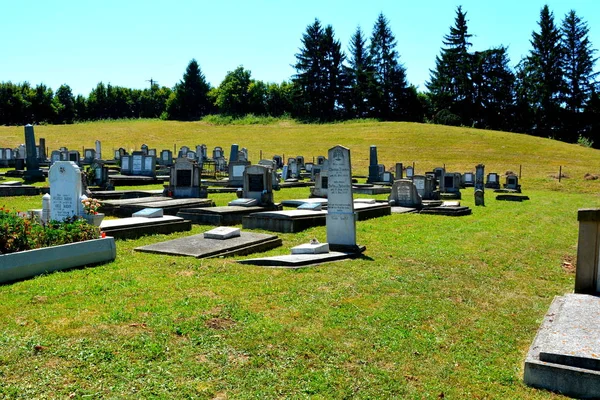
[94, 219]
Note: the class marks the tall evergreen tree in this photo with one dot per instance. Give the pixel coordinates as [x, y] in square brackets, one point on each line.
[493, 89]
[450, 84]
[578, 67]
[359, 73]
[65, 105]
[189, 100]
[319, 75]
[545, 75]
[389, 75]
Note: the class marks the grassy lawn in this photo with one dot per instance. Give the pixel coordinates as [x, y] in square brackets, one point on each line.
[437, 307]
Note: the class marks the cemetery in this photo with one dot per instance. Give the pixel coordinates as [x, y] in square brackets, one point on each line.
[305, 255]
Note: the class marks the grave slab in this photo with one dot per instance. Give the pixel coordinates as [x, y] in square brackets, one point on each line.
[295, 261]
[371, 189]
[512, 197]
[22, 190]
[565, 354]
[134, 180]
[199, 247]
[126, 207]
[448, 211]
[288, 221]
[402, 210]
[134, 227]
[222, 215]
[125, 194]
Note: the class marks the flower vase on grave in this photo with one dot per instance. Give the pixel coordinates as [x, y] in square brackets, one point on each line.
[94, 219]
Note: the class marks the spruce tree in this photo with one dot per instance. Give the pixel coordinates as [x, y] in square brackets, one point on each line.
[359, 73]
[578, 67]
[389, 97]
[450, 84]
[545, 75]
[319, 76]
[189, 101]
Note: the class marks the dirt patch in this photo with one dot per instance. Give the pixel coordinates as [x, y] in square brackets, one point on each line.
[220, 323]
[590, 177]
[569, 264]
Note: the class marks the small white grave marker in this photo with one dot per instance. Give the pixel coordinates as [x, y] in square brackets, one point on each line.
[222, 233]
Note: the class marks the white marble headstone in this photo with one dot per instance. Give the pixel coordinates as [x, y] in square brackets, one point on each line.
[341, 224]
[65, 189]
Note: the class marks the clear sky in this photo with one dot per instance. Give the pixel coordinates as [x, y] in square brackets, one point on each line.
[127, 42]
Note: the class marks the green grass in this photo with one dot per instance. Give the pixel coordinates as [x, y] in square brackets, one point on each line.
[436, 305]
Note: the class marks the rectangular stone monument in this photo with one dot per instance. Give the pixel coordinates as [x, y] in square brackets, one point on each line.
[166, 157]
[468, 179]
[425, 186]
[321, 185]
[278, 160]
[293, 169]
[185, 178]
[373, 165]
[183, 151]
[42, 153]
[98, 146]
[89, 155]
[410, 172]
[492, 181]
[73, 156]
[399, 171]
[340, 220]
[233, 155]
[236, 173]
[258, 184]
[65, 189]
[33, 172]
[404, 194]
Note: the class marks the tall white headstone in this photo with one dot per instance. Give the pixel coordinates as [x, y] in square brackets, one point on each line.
[98, 150]
[65, 189]
[341, 222]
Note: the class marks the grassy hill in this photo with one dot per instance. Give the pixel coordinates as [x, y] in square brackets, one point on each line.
[437, 307]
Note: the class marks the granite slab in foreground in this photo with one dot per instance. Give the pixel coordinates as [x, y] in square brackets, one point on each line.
[200, 247]
[565, 355]
[299, 260]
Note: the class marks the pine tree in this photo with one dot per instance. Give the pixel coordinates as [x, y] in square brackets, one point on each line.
[578, 67]
[545, 75]
[389, 76]
[451, 85]
[189, 101]
[359, 73]
[319, 77]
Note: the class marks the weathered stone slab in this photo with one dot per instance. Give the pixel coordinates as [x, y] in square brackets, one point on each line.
[449, 211]
[25, 190]
[372, 189]
[126, 207]
[402, 210]
[294, 261]
[222, 233]
[565, 354]
[134, 227]
[222, 215]
[511, 197]
[134, 180]
[243, 203]
[311, 206]
[199, 247]
[288, 221]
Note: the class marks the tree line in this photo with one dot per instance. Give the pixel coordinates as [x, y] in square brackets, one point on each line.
[552, 92]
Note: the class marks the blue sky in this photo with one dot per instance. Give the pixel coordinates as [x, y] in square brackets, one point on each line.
[126, 42]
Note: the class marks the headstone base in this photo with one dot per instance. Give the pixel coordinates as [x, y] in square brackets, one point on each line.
[344, 248]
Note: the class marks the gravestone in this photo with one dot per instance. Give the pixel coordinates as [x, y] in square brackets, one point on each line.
[236, 173]
[203, 154]
[3, 160]
[98, 150]
[234, 153]
[321, 160]
[387, 177]
[410, 172]
[100, 174]
[399, 171]
[404, 194]
[54, 156]
[183, 150]
[468, 179]
[425, 185]
[294, 172]
[373, 165]
[492, 181]
[479, 185]
[138, 164]
[73, 156]
[278, 160]
[33, 172]
[152, 152]
[184, 181]
[42, 150]
[285, 173]
[89, 155]
[512, 183]
[340, 220]
[440, 173]
[65, 189]
[308, 167]
[321, 185]
[258, 185]
[191, 155]
[166, 157]
[243, 154]
[300, 162]
[218, 153]
[144, 149]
